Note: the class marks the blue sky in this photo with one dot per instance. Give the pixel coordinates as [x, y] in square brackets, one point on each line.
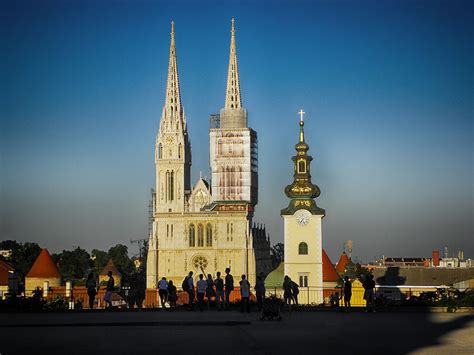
[387, 87]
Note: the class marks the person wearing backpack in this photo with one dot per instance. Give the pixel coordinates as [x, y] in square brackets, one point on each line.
[229, 286]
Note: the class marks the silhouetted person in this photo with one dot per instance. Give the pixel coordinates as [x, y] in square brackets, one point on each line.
[369, 295]
[244, 294]
[210, 293]
[91, 286]
[260, 291]
[188, 286]
[219, 291]
[287, 291]
[201, 287]
[229, 286]
[172, 294]
[163, 292]
[294, 292]
[347, 293]
[140, 290]
[109, 289]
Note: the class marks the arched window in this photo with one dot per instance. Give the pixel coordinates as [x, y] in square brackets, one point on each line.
[180, 148]
[192, 236]
[200, 235]
[170, 187]
[301, 166]
[208, 235]
[160, 151]
[303, 248]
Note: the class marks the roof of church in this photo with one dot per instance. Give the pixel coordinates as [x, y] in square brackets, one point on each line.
[44, 266]
[342, 263]
[329, 272]
[4, 269]
[110, 267]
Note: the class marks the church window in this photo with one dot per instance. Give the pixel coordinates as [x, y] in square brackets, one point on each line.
[170, 185]
[303, 281]
[192, 236]
[171, 231]
[219, 147]
[208, 235]
[167, 230]
[180, 147]
[200, 235]
[160, 150]
[303, 248]
[301, 166]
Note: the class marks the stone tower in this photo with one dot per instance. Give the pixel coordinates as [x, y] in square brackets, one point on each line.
[233, 145]
[302, 225]
[172, 150]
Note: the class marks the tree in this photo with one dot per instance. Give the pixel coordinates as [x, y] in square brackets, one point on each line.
[277, 254]
[99, 260]
[74, 264]
[23, 255]
[119, 255]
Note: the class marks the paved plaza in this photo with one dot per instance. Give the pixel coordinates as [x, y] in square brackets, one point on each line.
[154, 332]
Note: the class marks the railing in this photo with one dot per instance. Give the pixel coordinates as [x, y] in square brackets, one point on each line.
[307, 295]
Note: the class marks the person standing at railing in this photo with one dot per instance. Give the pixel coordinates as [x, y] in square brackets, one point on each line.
[219, 290]
[287, 291]
[369, 285]
[163, 292]
[91, 286]
[245, 295]
[109, 289]
[347, 289]
[260, 291]
[229, 286]
[201, 287]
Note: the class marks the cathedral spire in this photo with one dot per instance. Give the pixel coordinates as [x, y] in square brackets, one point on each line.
[173, 109]
[232, 98]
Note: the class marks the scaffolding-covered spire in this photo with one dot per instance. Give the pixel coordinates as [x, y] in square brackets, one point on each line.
[232, 98]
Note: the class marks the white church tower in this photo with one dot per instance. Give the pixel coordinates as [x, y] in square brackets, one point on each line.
[233, 145]
[173, 163]
[303, 226]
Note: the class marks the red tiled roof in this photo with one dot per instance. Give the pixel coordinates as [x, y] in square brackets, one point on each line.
[44, 266]
[4, 269]
[329, 272]
[342, 263]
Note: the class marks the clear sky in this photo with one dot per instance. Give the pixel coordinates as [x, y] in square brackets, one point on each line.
[387, 87]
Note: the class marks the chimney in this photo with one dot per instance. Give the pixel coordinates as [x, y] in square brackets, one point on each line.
[435, 257]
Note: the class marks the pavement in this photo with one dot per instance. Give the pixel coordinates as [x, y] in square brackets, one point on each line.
[231, 332]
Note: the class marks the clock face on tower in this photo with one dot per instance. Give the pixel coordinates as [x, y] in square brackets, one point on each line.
[302, 217]
[169, 140]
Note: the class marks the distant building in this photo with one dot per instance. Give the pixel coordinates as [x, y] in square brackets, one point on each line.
[434, 261]
[342, 263]
[43, 272]
[8, 279]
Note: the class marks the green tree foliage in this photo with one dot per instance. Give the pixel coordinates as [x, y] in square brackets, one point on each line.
[100, 259]
[277, 254]
[74, 264]
[23, 255]
[119, 255]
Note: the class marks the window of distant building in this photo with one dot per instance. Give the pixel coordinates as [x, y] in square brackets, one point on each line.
[192, 236]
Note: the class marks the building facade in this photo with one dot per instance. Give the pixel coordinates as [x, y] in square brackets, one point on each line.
[207, 227]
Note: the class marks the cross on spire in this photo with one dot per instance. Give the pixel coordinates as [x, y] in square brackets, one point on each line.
[301, 113]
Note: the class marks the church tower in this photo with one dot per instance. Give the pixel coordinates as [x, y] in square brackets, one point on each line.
[303, 225]
[172, 150]
[233, 145]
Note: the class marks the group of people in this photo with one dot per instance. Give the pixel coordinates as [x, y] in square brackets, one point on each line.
[206, 289]
[369, 294]
[93, 288]
[290, 291]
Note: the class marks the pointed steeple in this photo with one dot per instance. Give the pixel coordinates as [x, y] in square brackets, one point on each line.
[232, 97]
[173, 109]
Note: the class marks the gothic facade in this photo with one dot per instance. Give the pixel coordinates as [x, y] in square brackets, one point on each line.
[207, 227]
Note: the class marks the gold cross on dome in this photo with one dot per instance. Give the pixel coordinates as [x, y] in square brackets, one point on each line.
[301, 113]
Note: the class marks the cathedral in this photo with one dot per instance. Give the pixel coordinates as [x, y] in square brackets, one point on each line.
[208, 226]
